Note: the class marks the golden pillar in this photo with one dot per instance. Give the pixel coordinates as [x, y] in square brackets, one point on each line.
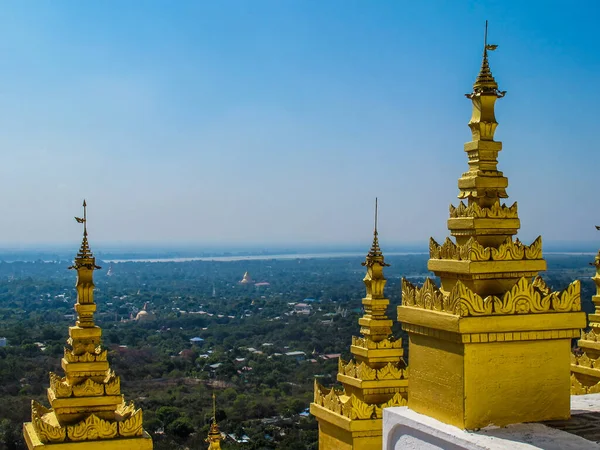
[585, 367]
[87, 409]
[491, 345]
[375, 378]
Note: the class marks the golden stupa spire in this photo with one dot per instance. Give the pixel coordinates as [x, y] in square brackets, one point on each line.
[87, 407]
[214, 434]
[373, 379]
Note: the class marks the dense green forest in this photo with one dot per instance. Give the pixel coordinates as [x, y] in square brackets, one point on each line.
[245, 330]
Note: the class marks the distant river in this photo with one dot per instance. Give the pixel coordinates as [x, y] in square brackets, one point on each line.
[260, 257]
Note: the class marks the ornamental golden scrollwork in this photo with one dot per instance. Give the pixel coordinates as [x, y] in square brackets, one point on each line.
[396, 400]
[569, 299]
[132, 426]
[372, 345]
[360, 409]
[577, 388]
[89, 388]
[59, 386]
[351, 406]
[363, 372]
[472, 250]
[92, 428]
[496, 211]
[524, 297]
[46, 432]
[389, 372]
[112, 384]
[465, 302]
[97, 355]
[585, 361]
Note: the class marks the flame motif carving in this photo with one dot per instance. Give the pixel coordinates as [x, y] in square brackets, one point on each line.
[585, 361]
[46, 432]
[396, 400]
[363, 372]
[97, 355]
[59, 386]
[569, 300]
[89, 388]
[112, 384]
[577, 388]
[496, 211]
[468, 303]
[472, 250]
[351, 406]
[360, 409]
[525, 297]
[132, 426]
[371, 345]
[92, 428]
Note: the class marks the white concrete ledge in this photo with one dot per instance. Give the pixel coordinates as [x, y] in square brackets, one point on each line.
[404, 429]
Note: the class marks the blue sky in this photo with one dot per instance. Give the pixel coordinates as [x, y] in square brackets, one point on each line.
[280, 121]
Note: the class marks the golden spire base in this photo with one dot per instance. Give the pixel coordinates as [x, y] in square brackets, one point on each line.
[87, 409]
[376, 377]
[490, 346]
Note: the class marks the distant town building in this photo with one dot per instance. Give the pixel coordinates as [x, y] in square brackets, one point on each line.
[302, 308]
[299, 356]
[3, 342]
[196, 340]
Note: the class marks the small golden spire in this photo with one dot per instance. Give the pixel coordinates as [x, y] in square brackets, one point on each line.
[485, 82]
[375, 255]
[85, 257]
[214, 434]
[214, 408]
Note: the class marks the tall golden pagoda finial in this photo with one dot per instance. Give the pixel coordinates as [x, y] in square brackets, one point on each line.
[375, 323]
[84, 256]
[485, 92]
[375, 255]
[485, 81]
[85, 264]
[214, 434]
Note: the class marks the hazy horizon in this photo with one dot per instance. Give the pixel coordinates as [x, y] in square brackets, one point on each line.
[277, 122]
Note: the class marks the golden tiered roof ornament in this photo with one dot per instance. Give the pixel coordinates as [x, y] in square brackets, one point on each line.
[375, 378]
[585, 365]
[87, 409]
[214, 434]
[492, 309]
